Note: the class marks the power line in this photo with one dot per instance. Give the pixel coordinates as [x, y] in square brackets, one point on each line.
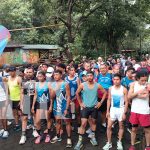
[23, 29]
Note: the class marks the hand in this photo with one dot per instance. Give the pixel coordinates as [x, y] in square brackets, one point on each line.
[123, 117]
[50, 109]
[98, 105]
[21, 107]
[65, 112]
[32, 110]
[82, 105]
[107, 115]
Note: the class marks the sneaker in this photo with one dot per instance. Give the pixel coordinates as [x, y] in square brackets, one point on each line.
[93, 141]
[47, 138]
[29, 126]
[56, 139]
[89, 131]
[91, 135]
[132, 148]
[22, 140]
[5, 134]
[38, 140]
[119, 145]
[147, 148]
[35, 134]
[9, 123]
[69, 143]
[79, 145]
[107, 146]
[17, 128]
[1, 132]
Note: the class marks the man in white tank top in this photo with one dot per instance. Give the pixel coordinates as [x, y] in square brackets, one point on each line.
[140, 110]
[117, 106]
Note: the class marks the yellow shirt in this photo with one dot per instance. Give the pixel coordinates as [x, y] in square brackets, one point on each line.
[14, 89]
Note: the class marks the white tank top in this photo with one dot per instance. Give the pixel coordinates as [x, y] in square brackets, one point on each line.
[117, 97]
[2, 94]
[140, 106]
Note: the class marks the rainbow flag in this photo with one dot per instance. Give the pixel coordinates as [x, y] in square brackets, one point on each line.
[4, 38]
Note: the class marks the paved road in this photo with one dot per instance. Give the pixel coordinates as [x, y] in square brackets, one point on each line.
[12, 142]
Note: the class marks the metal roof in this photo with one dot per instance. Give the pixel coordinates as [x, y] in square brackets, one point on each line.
[39, 46]
[33, 46]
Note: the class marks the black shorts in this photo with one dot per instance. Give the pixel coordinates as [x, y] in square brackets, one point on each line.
[15, 105]
[103, 107]
[44, 106]
[89, 111]
[2, 104]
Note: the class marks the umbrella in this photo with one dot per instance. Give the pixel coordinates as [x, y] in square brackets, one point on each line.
[4, 38]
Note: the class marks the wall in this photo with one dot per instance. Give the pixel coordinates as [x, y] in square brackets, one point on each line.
[19, 57]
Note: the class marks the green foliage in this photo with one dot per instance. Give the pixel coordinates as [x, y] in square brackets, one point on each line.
[91, 27]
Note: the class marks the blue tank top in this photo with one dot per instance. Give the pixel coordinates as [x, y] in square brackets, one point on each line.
[73, 86]
[90, 96]
[43, 95]
[105, 81]
[60, 100]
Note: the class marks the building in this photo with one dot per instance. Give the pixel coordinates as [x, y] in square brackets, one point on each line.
[16, 54]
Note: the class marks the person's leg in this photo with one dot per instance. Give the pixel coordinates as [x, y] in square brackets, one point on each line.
[121, 130]
[147, 135]
[109, 130]
[24, 124]
[68, 128]
[38, 119]
[16, 117]
[133, 135]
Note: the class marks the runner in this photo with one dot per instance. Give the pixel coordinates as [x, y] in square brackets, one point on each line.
[140, 110]
[3, 108]
[61, 107]
[14, 86]
[105, 80]
[89, 107]
[117, 106]
[73, 82]
[43, 100]
[27, 96]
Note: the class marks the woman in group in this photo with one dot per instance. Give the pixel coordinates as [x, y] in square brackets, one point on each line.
[43, 100]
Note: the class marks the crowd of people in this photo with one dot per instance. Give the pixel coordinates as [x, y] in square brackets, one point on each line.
[74, 94]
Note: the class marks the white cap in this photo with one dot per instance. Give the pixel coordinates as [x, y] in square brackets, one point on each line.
[50, 71]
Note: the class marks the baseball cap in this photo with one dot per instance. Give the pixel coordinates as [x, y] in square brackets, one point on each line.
[50, 71]
[12, 68]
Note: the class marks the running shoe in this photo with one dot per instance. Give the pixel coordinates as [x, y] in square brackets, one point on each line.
[69, 143]
[132, 148]
[56, 139]
[89, 131]
[22, 140]
[93, 141]
[17, 128]
[1, 132]
[5, 134]
[119, 145]
[91, 135]
[35, 133]
[147, 148]
[47, 138]
[79, 145]
[38, 140]
[9, 123]
[107, 146]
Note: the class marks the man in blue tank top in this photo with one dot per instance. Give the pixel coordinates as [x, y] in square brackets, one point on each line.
[89, 107]
[105, 80]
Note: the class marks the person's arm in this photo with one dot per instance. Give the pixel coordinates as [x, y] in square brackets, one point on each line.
[104, 93]
[108, 103]
[126, 100]
[34, 100]
[80, 88]
[52, 95]
[131, 93]
[22, 98]
[67, 96]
